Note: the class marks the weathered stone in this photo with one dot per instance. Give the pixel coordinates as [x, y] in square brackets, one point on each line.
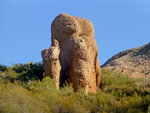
[78, 52]
[51, 62]
[133, 62]
[82, 71]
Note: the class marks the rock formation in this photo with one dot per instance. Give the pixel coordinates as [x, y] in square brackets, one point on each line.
[78, 52]
[134, 62]
[51, 62]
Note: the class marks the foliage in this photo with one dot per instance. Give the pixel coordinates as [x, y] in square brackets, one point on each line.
[24, 72]
[22, 90]
[31, 72]
[3, 68]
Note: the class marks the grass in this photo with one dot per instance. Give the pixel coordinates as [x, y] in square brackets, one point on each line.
[23, 91]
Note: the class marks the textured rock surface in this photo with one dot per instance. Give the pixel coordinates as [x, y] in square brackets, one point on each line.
[134, 62]
[51, 62]
[78, 52]
[83, 67]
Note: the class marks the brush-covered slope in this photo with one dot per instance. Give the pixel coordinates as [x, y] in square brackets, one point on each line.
[134, 62]
[23, 91]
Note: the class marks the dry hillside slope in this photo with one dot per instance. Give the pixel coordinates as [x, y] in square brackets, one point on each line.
[134, 62]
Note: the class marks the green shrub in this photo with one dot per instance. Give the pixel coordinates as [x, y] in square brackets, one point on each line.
[9, 75]
[112, 78]
[3, 68]
[148, 111]
[16, 99]
[23, 72]
[19, 68]
[31, 71]
[145, 83]
[22, 89]
[46, 84]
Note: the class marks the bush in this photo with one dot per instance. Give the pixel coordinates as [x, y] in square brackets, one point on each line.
[112, 78]
[30, 71]
[22, 89]
[145, 83]
[3, 68]
[19, 68]
[16, 99]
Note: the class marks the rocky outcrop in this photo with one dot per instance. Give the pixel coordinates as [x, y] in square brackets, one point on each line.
[78, 52]
[82, 71]
[51, 62]
[134, 62]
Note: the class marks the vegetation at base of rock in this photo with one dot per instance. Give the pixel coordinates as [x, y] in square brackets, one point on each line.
[23, 90]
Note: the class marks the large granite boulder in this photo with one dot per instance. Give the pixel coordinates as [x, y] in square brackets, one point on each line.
[78, 55]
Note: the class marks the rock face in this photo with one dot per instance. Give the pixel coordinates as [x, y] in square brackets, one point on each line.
[51, 62]
[134, 62]
[82, 71]
[78, 53]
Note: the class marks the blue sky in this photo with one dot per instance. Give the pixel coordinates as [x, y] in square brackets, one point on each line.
[25, 26]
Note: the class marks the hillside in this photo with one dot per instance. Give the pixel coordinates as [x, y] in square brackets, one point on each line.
[134, 62]
[22, 90]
